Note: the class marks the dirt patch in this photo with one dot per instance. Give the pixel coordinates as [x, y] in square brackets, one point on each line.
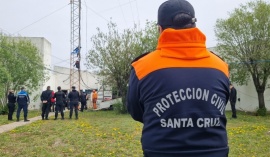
[58, 142]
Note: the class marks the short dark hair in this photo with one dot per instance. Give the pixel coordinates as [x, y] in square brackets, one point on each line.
[58, 88]
[182, 21]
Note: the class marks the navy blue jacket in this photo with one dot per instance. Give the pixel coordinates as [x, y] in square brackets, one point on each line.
[233, 95]
[11, 98]
[46, 95]
[23, 98]
[74, 96]
[83, 97]
[60, 97]
[179, 92]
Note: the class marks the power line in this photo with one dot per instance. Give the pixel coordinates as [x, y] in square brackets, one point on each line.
[108, 9]
[41, 19]
[131, 11]
[55, 64]
[123, 4]
[85, 85]
[122, 13]
[138, 13]
[3, 30]
[62, 60]
[36, 22]
[97, 14]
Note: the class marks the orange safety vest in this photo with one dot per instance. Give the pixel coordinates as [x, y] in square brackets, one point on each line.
[94, 95]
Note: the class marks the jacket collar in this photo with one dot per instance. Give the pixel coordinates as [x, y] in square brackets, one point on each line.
[183, 44]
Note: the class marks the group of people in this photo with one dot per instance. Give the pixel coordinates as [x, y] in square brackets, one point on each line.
[73, 97]
[46, 98]
[22, 99]
[55, 101]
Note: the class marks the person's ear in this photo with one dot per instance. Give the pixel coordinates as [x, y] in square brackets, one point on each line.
[160, 29]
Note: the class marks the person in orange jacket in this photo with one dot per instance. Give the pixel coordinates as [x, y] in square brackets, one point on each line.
[94, 99]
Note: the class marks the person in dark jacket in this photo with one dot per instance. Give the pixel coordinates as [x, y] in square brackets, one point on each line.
[46, 100]
[74, 98]
[83, 98]
[233, 97]
[11, 104]
[60, 98]
[180, 91]
[23, 100]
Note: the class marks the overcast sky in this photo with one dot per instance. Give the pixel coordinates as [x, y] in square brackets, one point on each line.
[51, 19]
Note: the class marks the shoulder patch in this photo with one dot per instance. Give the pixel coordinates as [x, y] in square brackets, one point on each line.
[140, 56]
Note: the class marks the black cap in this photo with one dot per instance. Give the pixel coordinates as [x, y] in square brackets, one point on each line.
[169, 9]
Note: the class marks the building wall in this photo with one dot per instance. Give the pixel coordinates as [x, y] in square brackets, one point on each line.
[248, 96]
[61, 76]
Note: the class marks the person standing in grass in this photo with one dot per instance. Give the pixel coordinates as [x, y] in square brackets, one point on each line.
[233, 97]
[23, 100]
[59, 107]
[94, 99]
[11, 104]
[74, 98]
[179, 91]
[45, 99]
[83, 101]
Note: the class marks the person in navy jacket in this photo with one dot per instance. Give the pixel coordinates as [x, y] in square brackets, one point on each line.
[74, 98]
[11, 104]
[233, 96]
[180, 91]
[23, 100]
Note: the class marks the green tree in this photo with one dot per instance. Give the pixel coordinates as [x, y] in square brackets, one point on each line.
[244, 42]
[113, 51]
[22, 63]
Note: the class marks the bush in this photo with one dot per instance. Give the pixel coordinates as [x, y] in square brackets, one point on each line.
[3, 109]
[261, 112]
[119, 108]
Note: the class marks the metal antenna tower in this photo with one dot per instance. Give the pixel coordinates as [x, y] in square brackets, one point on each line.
[75, 44]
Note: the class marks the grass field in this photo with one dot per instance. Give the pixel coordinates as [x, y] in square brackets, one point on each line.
[105, 134]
